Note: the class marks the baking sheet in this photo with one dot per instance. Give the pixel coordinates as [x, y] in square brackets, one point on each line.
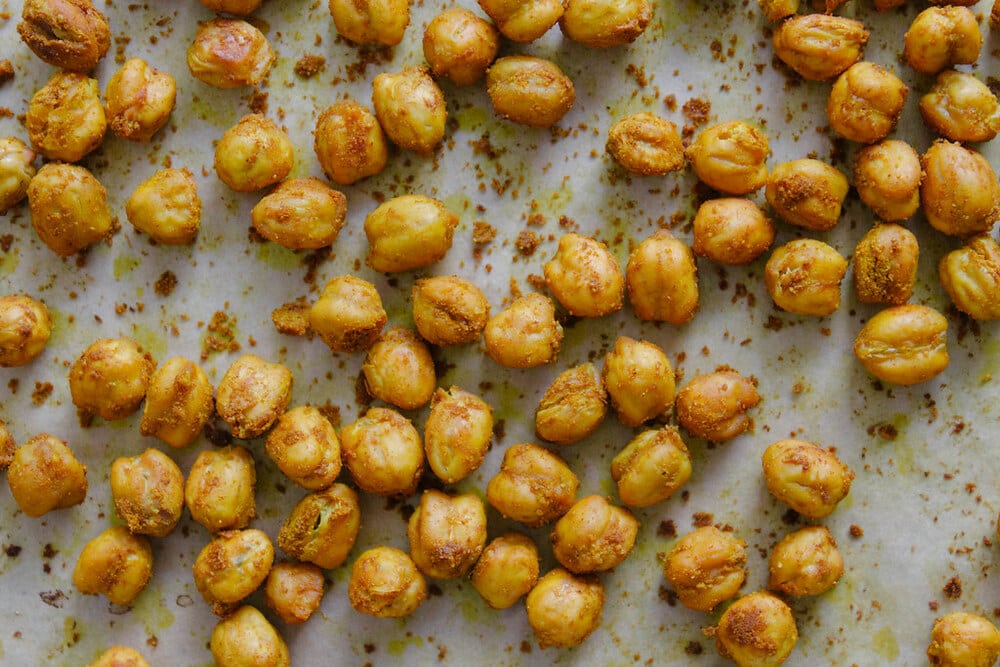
[925, 494]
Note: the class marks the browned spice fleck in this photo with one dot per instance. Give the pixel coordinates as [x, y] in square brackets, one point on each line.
[693, 648]
[258, 102]
[165, 284]
[666, 529]
[953, 588]
[220, 335]
[42, 391]
[932, 605]
[6, 71]
[310, 65]
[6, 241]
[13, 385]
[12, 551]
[856, 531]
[527, 242]
[697, 111]
[667, 595]
[53, 598]
[292, 319]
[701, 519]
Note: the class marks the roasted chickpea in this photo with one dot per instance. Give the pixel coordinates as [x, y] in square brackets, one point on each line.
[234, 7]
[731, 231]
[7, 446]
[252, 395]
[140, 100]
[386, 583]
[322, 527]
[411, 109]
[594, 535]
[44, 475]
[564, 609]
[507, 570]
[819, 46]
[457, 434]
[714, 406]
[960, 107]
[301, 214]
[232, 566]
[65, 119]
[806, 477]
[940, 37]
[730, 157]
[885, 265]
[120, 656]
[219, 490]
[399, 370]
[959, 193]
[706, 567]
[758, 630]
[971, 277]
[662, 279]
[408, 232]
[585, 277]
[534, 486]
[167, 207]
[652, 467]
[25, 328]
[229, 53]
[253, 154]
[904, 344]
[805, 562]
[69, 208]
[246, 638]
[776, 10]
[460, 45]
[961, 639]
[110, 378]
[646, 144]
[178, 402]
[447, 534]
[305, 447]
[573, 406]
[525, 334]
[639, 379]
[383, 452]
[600, 24]
[523, 20]
[887, 177]
[371, 21]
[348, 315]
[865, 103]
[349, 143]
[448, 310]
[807, 193]
[116, 564]
[17, 168]
[71, 34]
[803, 277]
[148, 492]
[294, 591]
[530, 91]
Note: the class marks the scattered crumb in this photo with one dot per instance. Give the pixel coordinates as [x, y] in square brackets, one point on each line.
[165, 284]
[310, 65]
[292, 319]
[6, 71]
[953, 588]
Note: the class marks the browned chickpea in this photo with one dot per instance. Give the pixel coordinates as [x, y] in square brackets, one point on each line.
[116, 564]
[7, 446]
[731, 230]
[819, 46]
[807, 193]
[904, 344]
[44, 475]
[585, 277]
[885, 264]
[525, 334]
[167, 207]
[448, 310]
[662, 279]
[399, 370]
[246, 638]
[971, 277]
[706, 567]
[714, 406]
[69, 208]
[594, 535]
[120, 656]
[140, 100]
[348, 315]
[148, 492]
[805, 562]
[776, 10]
[646, 144]
[530, 91]
[232, 566]
[887, 177]
[652, 467]
[71, 34]
[305, 447]
[178, 402]
[219, 490]
[25, 328]
[573, 406]
[460, 45]
[253, 154]
[110, 378]
[408, 232]
[534, 486]
[758, 630]
[411, 109]
[447, 533]
[865, 103]
[322, 527]
[294, 591]
[730, 157]
[65, 119]
[639, 379]
[806, 477]
[959, 193]
[229, 53]
[960, 107]
[371, 21]
[940, 37]
[600, 24]
[234, 7]
[803, 277]
[17, 168]
[301, 214]
[523, 20]
[252, 395]
[457, 434]
[383, 452]
[386, 583]
[961, 639]
[564, 609]
[349, 143]
[506, 571]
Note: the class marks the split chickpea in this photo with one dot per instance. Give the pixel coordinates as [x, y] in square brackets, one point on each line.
[253, 154]
[322, 527]
[139, 100]
[904, 345]
[457, 434]
[507, 570]
[399, 370]
[167, 207]
[652, 467]
[44, 475]
[706, 567]
[448, 310]
[408, 232]
[116, 564]
[971, 277]
[382, 450]
[349, 143]
[231, 567]
[460, 45]
[639, 380]
[806, 477]
[573, 406]
[252, 395]
[304, 446]
[732, 231]
[178, 402]
[887, 176]
[714, 406]
[219, 491]
[803, 277]
[229, 53]
[25, 328]
[534, 486]
[730, 157]
[530, 91]
[411, 109]
[148, 492]
[525, 334]
[585, 277]
[447, 534]
[300, 214]
[348, 315]
[69, 208]
[885, 265]
[65, 118]
[246, 638]
[662, 280]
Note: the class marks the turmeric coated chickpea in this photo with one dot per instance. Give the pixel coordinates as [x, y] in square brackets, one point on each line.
[234, 7]
[110, 378]
[219, 491]
[525, 334]
[646, 144]
[865, 103]
[65, 119]
[253, 154]
[116, 564]
[806, 477]
[960, 107]
[758, 630]
[349, 143]
[460, 45]
[447, 534]
[382, 450]
[662, 280]
[960, 193]
[294, 591]
[322, 527]
[7, 446]
[25, 328]
[17, 168]
[533, 486]
[730, 157]
[252, 395]
[167, 207]
[229, 53]
[380, 22]
[805, 562]
[386, 583]
[399, 370]
[940, 37]
[585, 277]
[139, 100]
[69, 208]
[120, 656]
[573, 406]
[714, 406]
[523, 20]
[776, 10]
[457, 434]
[448, 310]
[507, 570]
[411, 109]
[530, 91]
[44, 475]
[803, 277]
[904, 345]
[652, 467]
[807, 193]
[961, 639]
[971, 277]
[706, 567]
[885, 265]
[819, 46]
[246, 638]
[178, 402]
[731, 231]
[564, 609]
[887, 177]
[148, 492]
[348, 315]
[304, 446]
[594, 535]
[408, 232]
[231, 567]
[72, 35]
[300, 214]
[639, 380]
[600, 24]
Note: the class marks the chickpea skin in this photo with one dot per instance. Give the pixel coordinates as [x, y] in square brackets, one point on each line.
[234, 7]
[803, 277]
[386, 583]
[865, 103]
[731, 231]
[959, 193]
[380, 22]
[148, 492]
[25, 328]
[706, 567]
[940, 37]
[758, 630]
[960, 107]
[807, 193]
[530, 91]
[447, 534]
[322, 527]
[219, 490]
[178, 403]
[819, 46]
[232, 566]
[806, 477]
[640, 381]
[525, 334]
[349, 143]
[44, 475]
[110, 378]
[573, 406]
[69, 208]
[805, 562]
[730, 157]
[662, 280]
[120, 656]
[534, 486]
[246, 638]
[348, 315]
[714, 406]
[411, 109]
[304, 446]
[971, 277]
[17, 168]
[457, 434]
[448, 310]
[139, 100]
[507, 570]
[72, 35]
[460, 45]
[564, 609]
[116, 564]
[253, 154]
[65, 119]
[167, 207]
[646, 144]
[887, 177]
[300, 214]
[885, 265]
[229, 53]
[600, 24]
[399, 370]
[294, 591]
[252, 395]
[382, 450]
[408, 232]
[904, 345]
[652, 467]
[523, 20]
[594, 535]
[585, 277]
[961, 639]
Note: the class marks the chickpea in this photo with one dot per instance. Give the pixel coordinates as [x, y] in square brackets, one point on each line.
[885, 265]
[457, 434]
[301, 214]
[120, 656]
[72, 35]
[887, 177]
[17, 168]
[399, 370]
[600, 24]
[564, 609]
[386, 583]
[594, 535]
[140, 100]
[148, 492]
[959, 193]
[731, 231]
[448, 310]
[530, 91]
[573, 406]
[865, 103]
[232, 566]
[806, 477]
[803, 277]
[116, 564]
[7, 446]
[219, 490]
[940, 37]
[167, 207]
[714, 406]
[584, 277]
[69, 208]
[507, 570]
[904, 344]
[408, 232]
[807, 193]
[246, 638]
[252, 395]
[460, 45]
[411, 109]
[640, 381]
[229, 53]
[961, 639]
[758, 630]
[110, 378]
[706, 567]
[534, 486]
[234, 7]
[819, 46]
[652, 467]
[44, 475]
[348, 315]
[383, 452]
[662, 280]
[253, 154]
[805, 562]
[349, 143]
[523, 20]
[525, 334]
[447, 534]
[65, 119]
[178, 403]
[776, 10]
[305, 447]
[960, 107]
[322, 527]
[25, 328]
[730, 157]
[294, 591]
[371, 21]
[971, 277]
[646, 144]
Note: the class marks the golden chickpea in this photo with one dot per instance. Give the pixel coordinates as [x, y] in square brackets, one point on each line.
[525, 334]
[640, 381]
[348, 315]
[507, 570]
[573, 406]
[349, 143]
[706, 567]
[600, 24]
[961, 639]
[411, 109]
[25, 328]
[714, 406]
[646, 144]
[408, 232]
[806, 477]
[69, 208]
[232, 566]
[803, 277]
[865, 103]
[246, 638]
[301, 214]
[819, 46]
[730, 157]
[457, 434]
[662, 279]
[167, 207]
[229, 53]
[252, 395]
[887, 177]
[65, 119]
[960, 107]
[7, 446]
[904, 344]
[17, 168]
[116, 564]
[139, 100]
[399, 370]
[776, 10]
[294, 591]
[148, 492]
[110, 378]
[807, 193]
[460, 45]
[594, 535]
[305, 447]
[523, 20]
[585, 277]
[178, 402]
[447, 534]
[44, 475]
[885, 265]
[253, 154]
[940, 37]
[322, 527]
[72, 34]
[731, 231]
[386, 583]
[758, 630]
[382, 450]
[120, 656]
[805, 562]
[219, 490]
[448, 310]
[564, 609]
[652, 467]
[530, 91]
[371, 21]
[234, 7]
[971, 277]
[959, 193]
[534, 486]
